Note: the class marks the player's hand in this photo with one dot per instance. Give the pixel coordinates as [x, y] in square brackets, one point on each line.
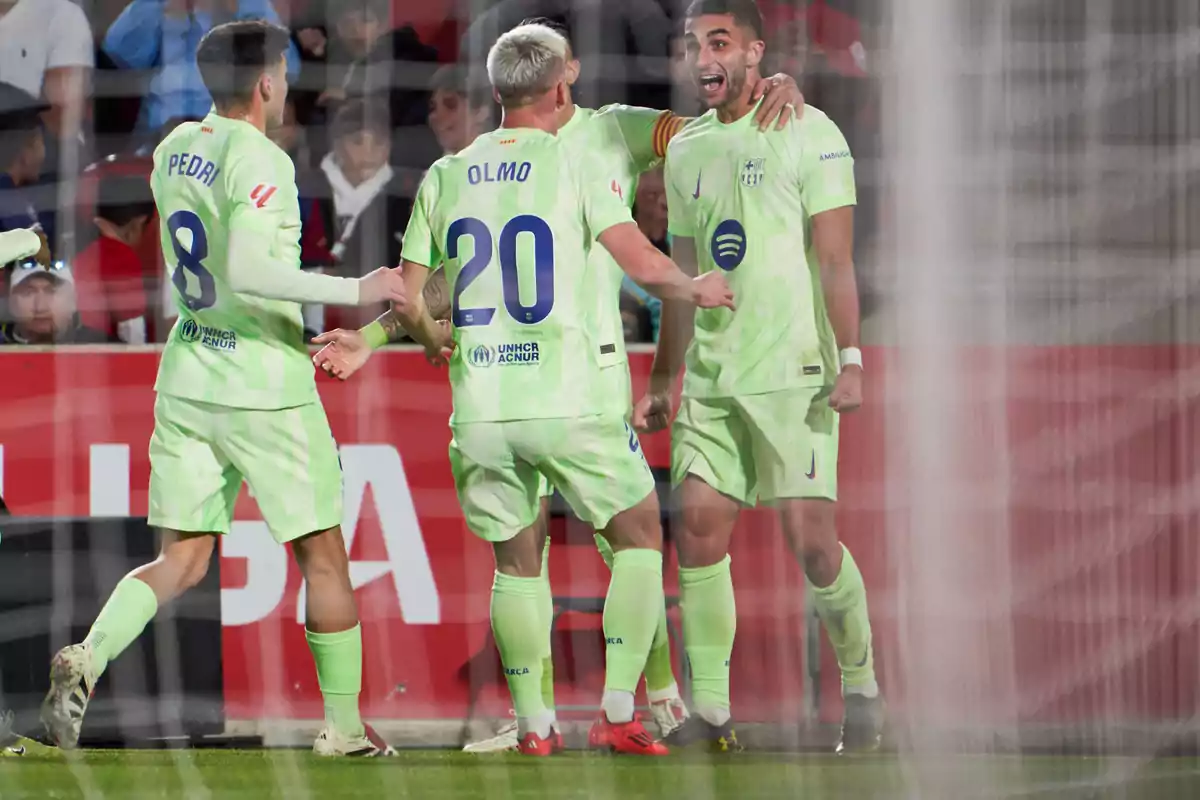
[710, 290]
[783, 101]
[652, 413]
[344, 353]
[439, 354]
[847, 390]
[43, 254]
[384, 285]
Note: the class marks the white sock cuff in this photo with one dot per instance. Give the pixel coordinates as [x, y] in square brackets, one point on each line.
[868, 689]
[617, 706]
[541, 724]
[660, 695]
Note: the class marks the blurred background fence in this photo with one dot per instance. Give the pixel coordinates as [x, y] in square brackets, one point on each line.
[1020, 490]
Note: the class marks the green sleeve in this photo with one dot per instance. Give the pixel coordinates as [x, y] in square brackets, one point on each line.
[826, 169]
[420, 243]
[260, 184]
[680, 220]
[602, 207]
[646, 133]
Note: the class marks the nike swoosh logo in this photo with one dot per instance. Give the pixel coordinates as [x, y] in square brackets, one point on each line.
[812, 472]
[865, 658]
[699, 175]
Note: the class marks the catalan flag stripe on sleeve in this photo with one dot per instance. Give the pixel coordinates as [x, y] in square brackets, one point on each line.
[665, 128]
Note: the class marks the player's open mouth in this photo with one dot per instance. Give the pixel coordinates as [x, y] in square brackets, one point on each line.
[711, 83]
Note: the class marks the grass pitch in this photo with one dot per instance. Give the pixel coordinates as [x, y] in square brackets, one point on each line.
[440, 775]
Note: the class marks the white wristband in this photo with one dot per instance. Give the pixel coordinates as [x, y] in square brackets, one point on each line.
[851, 356]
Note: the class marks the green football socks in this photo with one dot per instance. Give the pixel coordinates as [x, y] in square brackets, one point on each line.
[709, 626]
[842, 607]
[129, 609]
[338, 657]
[660, 675]
[546, 603]
[517, 613]
[631, 612]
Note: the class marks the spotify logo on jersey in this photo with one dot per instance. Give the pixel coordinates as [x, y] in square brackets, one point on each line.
[728, 245]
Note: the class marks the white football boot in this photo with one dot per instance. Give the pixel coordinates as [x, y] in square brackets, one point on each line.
[330, 743]
[504, 740]
[668, 714]
[72, 682]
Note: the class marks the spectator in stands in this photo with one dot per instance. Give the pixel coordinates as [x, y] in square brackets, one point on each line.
[359, 197]
[458, 111]
[22, 155]
[392, 69]
[163, 35]
[109, 277]
[41, 301]
[46, 50]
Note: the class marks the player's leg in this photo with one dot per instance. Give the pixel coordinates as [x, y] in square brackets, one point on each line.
[797, 468]
[546, 602]
[597, 464]
[501, 503]
[662, 691]
[291, 462]
[507, 737]
[192, 488]
[711, 466]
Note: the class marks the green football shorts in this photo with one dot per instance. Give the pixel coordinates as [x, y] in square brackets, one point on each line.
[499, 469]
[618, 391]
[759, 448]
[201, 453]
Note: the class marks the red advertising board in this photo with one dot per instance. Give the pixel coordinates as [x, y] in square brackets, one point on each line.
[1088, 514]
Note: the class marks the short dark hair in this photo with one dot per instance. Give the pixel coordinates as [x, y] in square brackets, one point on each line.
[233, 56]
[123, 198]
[456, 79]
[359, 116]
[744, 12]
[559, 26]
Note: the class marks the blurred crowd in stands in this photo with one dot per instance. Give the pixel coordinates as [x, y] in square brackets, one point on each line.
[380, 89]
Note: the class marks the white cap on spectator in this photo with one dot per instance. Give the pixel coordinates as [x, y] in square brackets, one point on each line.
[58, 270]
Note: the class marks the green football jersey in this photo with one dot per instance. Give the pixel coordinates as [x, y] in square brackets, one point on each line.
[621, 142]
[228, 349]
[513, 217]
[747, 197]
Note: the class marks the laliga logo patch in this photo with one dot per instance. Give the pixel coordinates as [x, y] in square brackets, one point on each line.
[189, 331]
[728, 245]
[481, 356]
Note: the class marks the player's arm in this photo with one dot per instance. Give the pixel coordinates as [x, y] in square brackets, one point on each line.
[387, 328]
[345, 352]
[21, 244]
[254, 267]
[649, 268]
[414, 316]
[646, 133]
[677, 324]
[636, 255]
[828, 193]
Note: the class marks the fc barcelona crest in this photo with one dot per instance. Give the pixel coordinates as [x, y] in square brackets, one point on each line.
[752, 171]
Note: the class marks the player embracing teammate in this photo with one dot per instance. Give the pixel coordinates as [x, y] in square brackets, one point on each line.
[765, 384]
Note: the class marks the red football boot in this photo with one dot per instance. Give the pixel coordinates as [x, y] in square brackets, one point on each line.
[626, 738]
[533, 745]
[556, 741]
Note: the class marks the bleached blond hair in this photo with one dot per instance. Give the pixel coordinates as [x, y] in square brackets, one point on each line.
[525, 63]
